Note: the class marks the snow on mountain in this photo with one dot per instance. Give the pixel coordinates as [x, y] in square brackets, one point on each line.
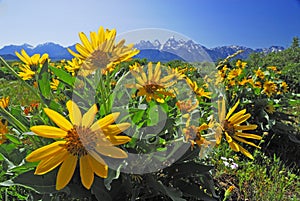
[191, 51]
[169, 50]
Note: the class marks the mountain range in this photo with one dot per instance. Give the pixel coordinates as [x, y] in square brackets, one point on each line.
[172, 49]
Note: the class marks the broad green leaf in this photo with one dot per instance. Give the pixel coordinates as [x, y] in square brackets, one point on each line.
[63, 75]
[44, 81]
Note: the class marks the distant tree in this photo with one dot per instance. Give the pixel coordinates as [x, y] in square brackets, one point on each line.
[295, 43]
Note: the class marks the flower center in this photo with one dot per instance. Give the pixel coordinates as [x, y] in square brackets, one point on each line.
[152, 88]
[80, 140]
[98, 59]
[228, 127]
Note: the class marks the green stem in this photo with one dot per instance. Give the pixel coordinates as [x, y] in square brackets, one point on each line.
[20, 79]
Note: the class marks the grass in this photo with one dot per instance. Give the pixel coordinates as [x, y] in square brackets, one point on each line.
[264, 178]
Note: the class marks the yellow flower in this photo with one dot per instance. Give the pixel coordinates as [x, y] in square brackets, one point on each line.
[152, 86]
[79, 139]
[34, 60]
[273, 68]
[26, 72]
[240, 64]
[30, 64]
[73, 66]
[270, 108]
[199, 91]
[259, 73]
[54, 84]
[3, 131]
[179, 74]
[269, 88]
[101, 52]
[234, 73]
[284, 86]
[231, 128]
[4, 102]
[186, 107]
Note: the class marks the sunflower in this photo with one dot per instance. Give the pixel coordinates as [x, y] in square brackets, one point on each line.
[101, 52]
[229, 125]
[54, 84]
[30, 64]
[79, 139]
[234, 73]
[199, 91]
[73, 66]
[186, 107]
[259, 73]
[269, 88]
[34, 60]
[152, 86]
[4, 102]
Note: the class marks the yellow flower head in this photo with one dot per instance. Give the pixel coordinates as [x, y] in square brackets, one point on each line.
[4, 102]
[284, 86]
[231, 128]
[269, 88]
[101, 52]
[240, 64]
[79, 139]
[187, 106]
[73, 66]
[153, 86]
[3, 131]
[259, 73]
[199, 91]
[234, 73]
[34, 60]
[54, 84]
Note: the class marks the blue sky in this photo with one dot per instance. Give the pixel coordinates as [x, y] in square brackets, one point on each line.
[251, 23]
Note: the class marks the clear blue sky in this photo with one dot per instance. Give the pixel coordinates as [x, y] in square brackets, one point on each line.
[252, 23]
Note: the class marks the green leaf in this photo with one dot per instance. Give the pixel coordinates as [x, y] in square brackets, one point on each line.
[174, 194]
[187, 169]
[40, 183]
[44, 81]
[63, 75]
[193, 189]
[13, 139]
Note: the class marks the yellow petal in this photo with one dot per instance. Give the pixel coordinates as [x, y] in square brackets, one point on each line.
[150, 71]
[246, 153]
[115, 129]
[234, 146]
[232, 109]
[246, 127]
[245, 141]
[86, 172]
[74, 113]
[221, 110]
[240, 119]
[85, 41]
[46, 151]
[89, 116]
[248, 135]
[82, 50]
[48, 131]
[100, 169]
[118, 140]
[237, 115]
[111, 151]
[66, 171]
[51, 163]
[107, 120]
[58, 119]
